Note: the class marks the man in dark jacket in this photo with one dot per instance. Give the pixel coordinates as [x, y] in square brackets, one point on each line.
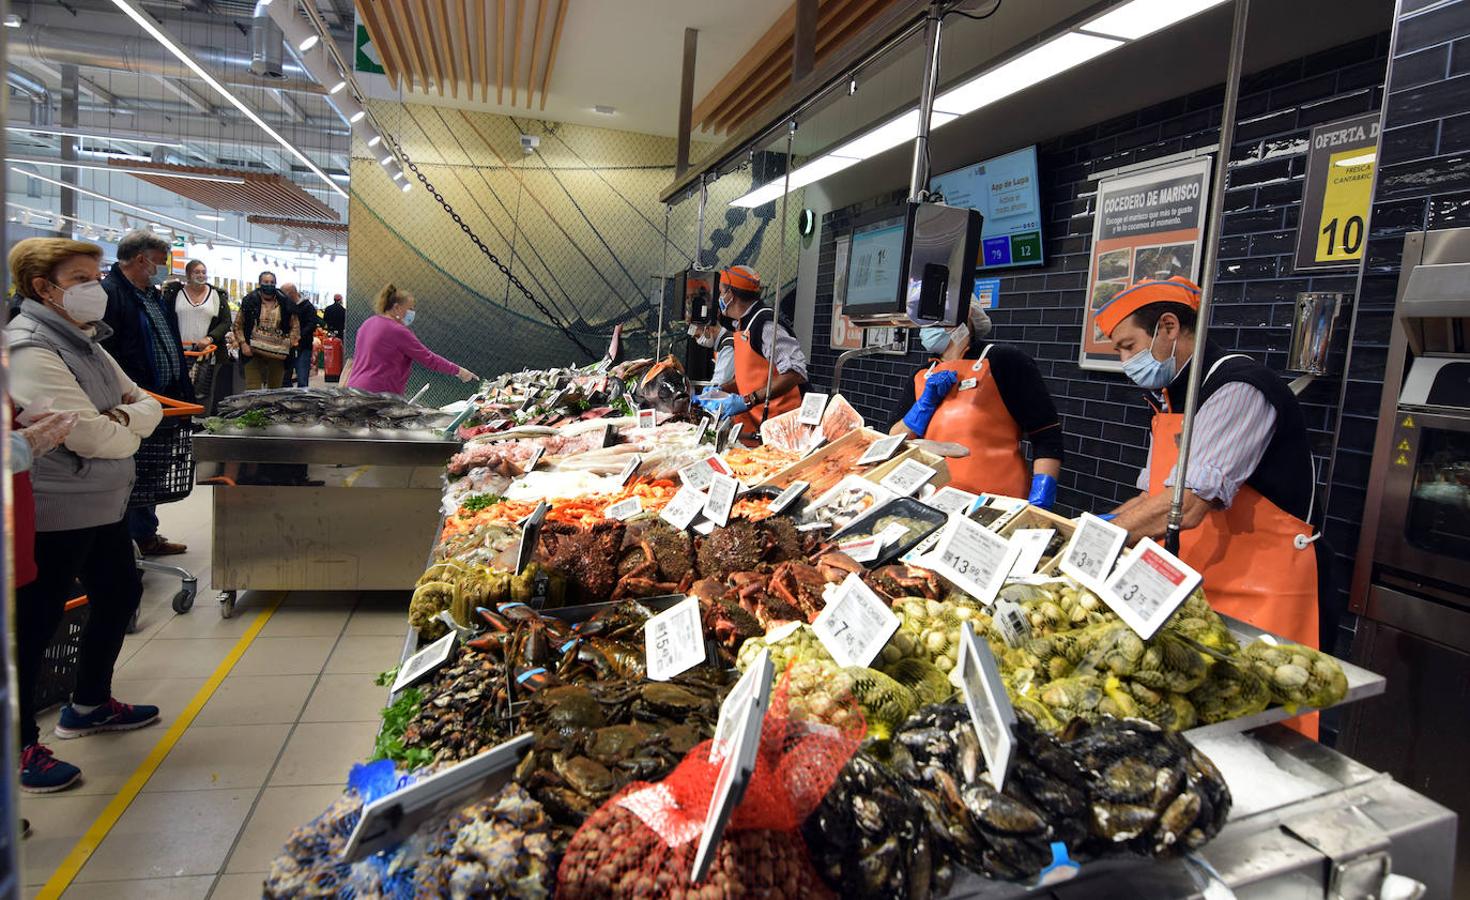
[335, 316]
[300, 361]
[145, 342]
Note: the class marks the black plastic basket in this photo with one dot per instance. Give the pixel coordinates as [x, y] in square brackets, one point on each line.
[58, 675]
[165, 464]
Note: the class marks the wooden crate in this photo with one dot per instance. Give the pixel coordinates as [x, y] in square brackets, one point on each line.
[932, 460]
[795, 471]
[1035, 517]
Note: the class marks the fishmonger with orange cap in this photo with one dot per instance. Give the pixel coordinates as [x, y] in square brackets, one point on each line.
[759, 339]
[1250, 477]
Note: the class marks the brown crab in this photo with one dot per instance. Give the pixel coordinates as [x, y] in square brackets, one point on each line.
[898, 580]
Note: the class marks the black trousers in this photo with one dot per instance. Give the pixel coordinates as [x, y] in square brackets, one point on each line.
[102, 559]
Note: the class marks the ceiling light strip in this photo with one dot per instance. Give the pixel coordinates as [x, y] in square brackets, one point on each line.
[103, 197]
[130, 8]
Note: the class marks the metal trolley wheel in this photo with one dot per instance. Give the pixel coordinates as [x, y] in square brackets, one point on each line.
[226, 604]
[184, 600]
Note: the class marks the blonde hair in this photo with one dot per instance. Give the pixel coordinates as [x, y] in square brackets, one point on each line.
[35, 258]
[389, 297]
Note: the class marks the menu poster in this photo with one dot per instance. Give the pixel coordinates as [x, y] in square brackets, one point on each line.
[1148, 225]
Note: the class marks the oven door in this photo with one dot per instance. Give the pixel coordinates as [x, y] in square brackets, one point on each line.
[1424, 530]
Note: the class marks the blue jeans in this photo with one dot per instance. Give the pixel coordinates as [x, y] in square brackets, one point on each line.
[143, 523]
[302, 362]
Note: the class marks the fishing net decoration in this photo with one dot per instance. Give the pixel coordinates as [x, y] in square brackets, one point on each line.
[642, 842]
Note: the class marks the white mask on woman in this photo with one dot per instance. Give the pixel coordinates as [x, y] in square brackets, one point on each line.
[85, 302]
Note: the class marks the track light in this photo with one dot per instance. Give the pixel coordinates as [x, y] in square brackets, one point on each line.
[336, 88]
[398, 174]
[310, 41]
[375, 140]
[386, 160]
[406, 187]
[357, 116]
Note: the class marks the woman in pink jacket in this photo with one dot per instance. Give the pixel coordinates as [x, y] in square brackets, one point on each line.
[385, 348]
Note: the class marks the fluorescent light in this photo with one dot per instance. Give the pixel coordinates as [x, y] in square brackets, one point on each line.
[1139, 18]
[1360, 160]
[209, 218]
[817, 169]
[311, 41]
[336, 88]
[57, 132]
[759, 197]
[103, 197]
[12, 21]
[891, 134]
[127, 170]
[357, 116]
[1032, 67]
[375, 140]
[130, 8]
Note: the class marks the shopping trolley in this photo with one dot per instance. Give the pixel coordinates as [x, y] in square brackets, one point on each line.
[165, 474]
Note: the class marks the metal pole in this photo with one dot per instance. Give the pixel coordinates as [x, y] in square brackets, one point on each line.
[663, 274]
[919, 177]
[780, 273]
[699, 230]
[1212, 253]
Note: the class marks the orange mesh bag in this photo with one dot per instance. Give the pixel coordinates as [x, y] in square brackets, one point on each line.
[642, 842]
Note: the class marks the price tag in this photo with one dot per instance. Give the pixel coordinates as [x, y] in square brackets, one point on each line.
[813, 442]
[697, 475]
[788, 496]
[856, 624]
[863, 550]
[989, 705]
[1148, 586]
[1094, 547]
[498, 424]
[733, 436]
[703, 430]
[812, 407]
[952, 500]
[424, 662]
[536, 455]
[530, 534]
[393, 818]
[624, 509]
[704, 527]
[880, 449]
[674, 640]
[917, 555]
[629, 469]
[891, 535]
[681, 510]
[1032, 542]
[781, 632]
[753, 687]
[647, 419]
[722, 492]
[1014, 625]
[968, 384]
[975, 558]
[907, 477]
[718, 465]
[730, 785]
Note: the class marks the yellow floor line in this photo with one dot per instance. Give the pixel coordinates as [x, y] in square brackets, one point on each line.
[62, 878]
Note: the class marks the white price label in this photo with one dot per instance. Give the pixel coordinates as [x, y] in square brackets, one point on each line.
[703, 430]
[968, 384]
[812, 407]
[1032, 542]
[681, 510]
[863, 550]
[730, 785]
[907, 477]
[497, 424]
[975, 558]
[624, 509]
[1011, 618]
[735, 434]
[892, 535]
[718, 465]
[952, 500]
[881, 449]
[647, 419]
[989, 705]
[782, 632]
[535, 458]
[674, 640]
[424, 662]
[722, 492]
[856, 624]
[1094, 548]
[697, 475]
[753, 687]
[788, 496]
[1148, 586]
[629, 469]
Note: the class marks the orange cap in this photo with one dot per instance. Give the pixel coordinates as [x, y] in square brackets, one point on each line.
[1176, 290]
[742, 278]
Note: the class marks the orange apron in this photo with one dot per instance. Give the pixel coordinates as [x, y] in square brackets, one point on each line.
[750, 375]
[1257, 564]
[978, 419]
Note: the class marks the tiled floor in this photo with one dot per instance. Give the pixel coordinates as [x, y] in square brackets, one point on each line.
[268, 751]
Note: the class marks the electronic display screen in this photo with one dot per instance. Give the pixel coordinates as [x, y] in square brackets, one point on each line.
[875, 265]
[1006, 192]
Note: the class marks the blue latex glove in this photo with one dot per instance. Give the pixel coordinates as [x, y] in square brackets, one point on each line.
[1043, 491]
[1108, 517]
[936, 388]
[703, 395]
[726, 407]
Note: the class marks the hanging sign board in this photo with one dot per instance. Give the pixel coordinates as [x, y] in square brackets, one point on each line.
[1148, 225]
[1337, 194]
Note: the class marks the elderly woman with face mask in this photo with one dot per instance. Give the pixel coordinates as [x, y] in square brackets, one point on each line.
[986, 398]
[81, 489]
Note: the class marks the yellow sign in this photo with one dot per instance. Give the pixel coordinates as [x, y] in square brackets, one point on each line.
[1408, 422]
[1404, 444]
[1402, 460]
[1342, 232]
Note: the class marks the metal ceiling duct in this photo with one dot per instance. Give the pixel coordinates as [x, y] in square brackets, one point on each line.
[266, 44]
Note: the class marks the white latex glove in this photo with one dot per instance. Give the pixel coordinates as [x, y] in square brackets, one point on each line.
[48, 431]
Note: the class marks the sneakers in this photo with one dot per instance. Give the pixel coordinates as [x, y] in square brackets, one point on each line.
[160, 546]
[42, 773]
[110, 716]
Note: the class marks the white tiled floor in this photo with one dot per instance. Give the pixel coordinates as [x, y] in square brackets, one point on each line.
[268, 752]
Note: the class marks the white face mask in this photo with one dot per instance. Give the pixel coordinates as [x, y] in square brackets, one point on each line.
[199, 277]
[85, 302]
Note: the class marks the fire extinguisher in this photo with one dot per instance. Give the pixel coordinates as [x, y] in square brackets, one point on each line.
[332, 357]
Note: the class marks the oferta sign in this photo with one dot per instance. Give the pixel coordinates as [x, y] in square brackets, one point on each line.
[1338, 193]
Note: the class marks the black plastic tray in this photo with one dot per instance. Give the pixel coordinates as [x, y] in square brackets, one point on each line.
[898, 506]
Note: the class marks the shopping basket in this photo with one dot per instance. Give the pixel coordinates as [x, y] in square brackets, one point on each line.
[165, 473]
[58, 675]
[202, 371]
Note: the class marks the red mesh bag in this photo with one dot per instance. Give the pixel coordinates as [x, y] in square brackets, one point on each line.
[642, 842]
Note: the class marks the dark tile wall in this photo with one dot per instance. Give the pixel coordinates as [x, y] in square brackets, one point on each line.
[1040, 309]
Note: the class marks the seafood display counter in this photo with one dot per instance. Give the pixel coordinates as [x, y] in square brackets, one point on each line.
[303, 511]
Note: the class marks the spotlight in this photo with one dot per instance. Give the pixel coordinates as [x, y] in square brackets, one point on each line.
[406, 187]
[311, 41]
[338, 86]
[386, 160]
[397, 175]
[357, 116]
[375, 140]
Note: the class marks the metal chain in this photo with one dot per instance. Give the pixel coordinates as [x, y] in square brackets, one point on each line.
[504, 269]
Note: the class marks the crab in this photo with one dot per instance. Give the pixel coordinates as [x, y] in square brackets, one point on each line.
[800, 585]
[898, 580]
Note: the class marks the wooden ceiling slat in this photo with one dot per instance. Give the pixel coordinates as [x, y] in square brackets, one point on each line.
[535, 49]
[465, 39]
[368, 11]
[500, 52]
[775, 69]
[515, 53]
[444, 29]
[747, 64]
[425, 35]
[400, 13]
[561, 19]
[479, 50]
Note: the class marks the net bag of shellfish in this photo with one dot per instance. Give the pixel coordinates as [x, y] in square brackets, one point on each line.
[642, 843]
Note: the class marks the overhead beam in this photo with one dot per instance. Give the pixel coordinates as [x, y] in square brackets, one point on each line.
[466, 39]
[535, 48]
[187, 94]
[500, 52]
[515, 53]
[482, 50]
[84, 84]
[145, 126]
[561, 19]
[446, 42]
[686, 100]
[804, 43]
[288, 105]
[427, 19]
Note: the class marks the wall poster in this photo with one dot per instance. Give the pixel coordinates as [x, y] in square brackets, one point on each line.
[843, 334]
[1148, 225]
[1337, 193]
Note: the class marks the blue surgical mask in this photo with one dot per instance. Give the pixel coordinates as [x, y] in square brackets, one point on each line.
[408, 317]
[935, 338]
[1148, 372]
